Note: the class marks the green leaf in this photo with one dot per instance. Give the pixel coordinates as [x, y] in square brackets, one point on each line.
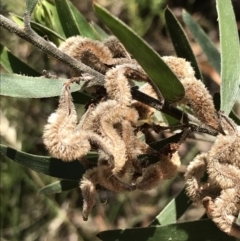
[59, 186]
[84, 27]
[230, 55]
[30, 5]
[47, 165]
[35, 87]
[44, 31]
[73, 22]
[170, 119]
[165, 80]
[67, 19]
[100, 31]
[206, 44]
[14, 65]
[17, 19]
[201, 230]
[40, 29]
[180, 41]
[174, 210]
[46, 14]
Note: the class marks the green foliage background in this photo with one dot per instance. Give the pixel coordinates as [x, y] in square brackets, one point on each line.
[26, 215]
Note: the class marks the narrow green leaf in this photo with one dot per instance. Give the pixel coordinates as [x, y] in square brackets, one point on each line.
[30, 5]
[165, 80]
[13, 64]
[100, 31]
[44, 31]
[44, 164]
[18, 20]
[84, 27]
[40, 29]
[67, 18]
[206, 44]
[54, 18]
[33, 87]
[170, 120]
[201, 230]
[230, 55]
[180, 41]
[46, 14]
[59, 186]
[174, 210]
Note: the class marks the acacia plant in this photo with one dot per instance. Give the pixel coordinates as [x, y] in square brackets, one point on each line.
[123, 84]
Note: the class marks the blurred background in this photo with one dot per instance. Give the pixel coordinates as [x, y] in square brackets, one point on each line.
[27, 216]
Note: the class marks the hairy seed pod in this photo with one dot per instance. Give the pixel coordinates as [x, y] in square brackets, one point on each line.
[93, 53]
[164, 169]
[220, 194]
[61, 136]
[116, 48]
[196, 94]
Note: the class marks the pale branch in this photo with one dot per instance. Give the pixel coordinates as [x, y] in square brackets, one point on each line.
[30, 36]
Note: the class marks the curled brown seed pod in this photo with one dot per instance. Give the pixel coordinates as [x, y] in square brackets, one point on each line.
[93, 53]
[196, 94]
[61, 136]
[221, 193]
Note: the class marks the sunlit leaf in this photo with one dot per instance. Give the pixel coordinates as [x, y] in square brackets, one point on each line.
[206, 44]
[14, 65]
[34, 87]
[180, 41]
[46, 15]
[230, 55]
[59, 186]
[165, 80]
[17, 19]
[201, 230]
[174, 210]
